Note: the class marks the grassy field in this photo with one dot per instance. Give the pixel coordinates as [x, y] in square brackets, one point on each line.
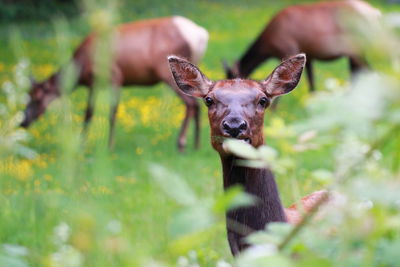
[117, 213]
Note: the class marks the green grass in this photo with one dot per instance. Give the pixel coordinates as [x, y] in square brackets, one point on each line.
[125, 190]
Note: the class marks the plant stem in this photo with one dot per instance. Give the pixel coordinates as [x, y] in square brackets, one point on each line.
[308, 216]
[304, 221]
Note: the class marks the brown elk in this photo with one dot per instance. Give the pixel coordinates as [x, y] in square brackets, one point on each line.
[139, 52]
[314, 29]
[236, 110]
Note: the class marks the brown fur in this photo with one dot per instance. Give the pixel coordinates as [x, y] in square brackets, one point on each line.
[236, 110]
[139, 56]
[294, 213]
[314, 29]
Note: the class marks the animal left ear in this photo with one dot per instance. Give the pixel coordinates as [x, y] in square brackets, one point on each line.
[285, 77]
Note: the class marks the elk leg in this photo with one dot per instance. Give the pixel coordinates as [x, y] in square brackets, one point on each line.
[356, 65]
[113, 112]
[115, 97]
[192, 111]
[89, 110]
[310, 75]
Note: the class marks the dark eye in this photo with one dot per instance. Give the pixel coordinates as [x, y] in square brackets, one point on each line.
[208, 100]
[263, 101]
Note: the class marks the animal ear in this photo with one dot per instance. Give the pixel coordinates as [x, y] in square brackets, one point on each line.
[285, 77]
[188, 77]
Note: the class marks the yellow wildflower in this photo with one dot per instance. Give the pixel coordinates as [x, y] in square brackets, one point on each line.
[139, 151]
[44, 70]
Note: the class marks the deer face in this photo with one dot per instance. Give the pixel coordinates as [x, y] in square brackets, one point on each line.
[236, 110]
[236, 107]
[41, 94]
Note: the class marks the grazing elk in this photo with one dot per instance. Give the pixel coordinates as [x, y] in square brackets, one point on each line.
[139, 52]
[314, 29]
[236, 110]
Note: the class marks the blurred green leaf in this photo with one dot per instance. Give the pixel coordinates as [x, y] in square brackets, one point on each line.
[233, 198]
[274, 234]
[258, 256]
[10, 261]
[241, 149]
[192, 219]
[323, 176]
[173, 185]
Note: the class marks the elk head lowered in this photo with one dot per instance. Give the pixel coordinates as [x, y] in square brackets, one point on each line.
[41, 94]
[236, 107]
[320, 30]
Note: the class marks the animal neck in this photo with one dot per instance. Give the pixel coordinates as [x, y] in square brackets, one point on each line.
[253, 57]
[259, 183]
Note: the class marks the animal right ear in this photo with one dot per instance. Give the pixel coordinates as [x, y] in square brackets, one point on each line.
[188, 77]
[285, 77]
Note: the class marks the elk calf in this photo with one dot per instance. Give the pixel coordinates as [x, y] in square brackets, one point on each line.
[236, 110]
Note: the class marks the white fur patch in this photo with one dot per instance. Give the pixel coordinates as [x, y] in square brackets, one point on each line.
[196, 36]
[365, 9]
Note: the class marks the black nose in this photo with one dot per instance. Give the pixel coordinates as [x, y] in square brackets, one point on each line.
[234, 127]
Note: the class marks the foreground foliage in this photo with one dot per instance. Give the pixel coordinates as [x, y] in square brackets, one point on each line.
[68, 201]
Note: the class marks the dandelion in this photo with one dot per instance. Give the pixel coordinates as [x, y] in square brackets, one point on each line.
[44, 70]
[123, 180]
[124, 117]
[82, 241]
[278, 129]
[139, 151]
[102, 190]
[19, 169]
[217, 174]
